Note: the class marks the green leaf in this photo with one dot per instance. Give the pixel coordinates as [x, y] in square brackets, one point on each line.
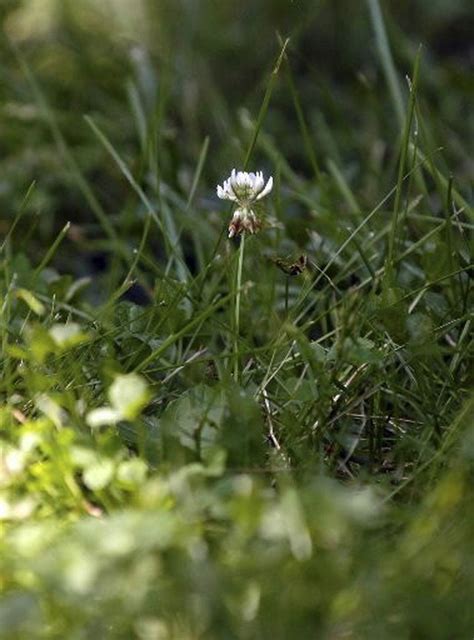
[68, 335]
[132, 473]
[420, 328]
[356, 351]
[32, 301]
[102, 416]
[51, 409]
[243, 432]
[129, 395]
[391, 310]
[40, 343]
[295, 523]
[98, 475]
[195, 418]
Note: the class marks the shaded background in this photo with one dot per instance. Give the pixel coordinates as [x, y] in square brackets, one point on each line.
[158, 77]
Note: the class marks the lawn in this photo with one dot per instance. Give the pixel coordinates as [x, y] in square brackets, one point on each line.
[237, 320]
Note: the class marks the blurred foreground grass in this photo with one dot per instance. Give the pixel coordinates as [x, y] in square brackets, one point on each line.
[168, 471]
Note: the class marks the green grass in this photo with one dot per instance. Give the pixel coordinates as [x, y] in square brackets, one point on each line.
[194, 443]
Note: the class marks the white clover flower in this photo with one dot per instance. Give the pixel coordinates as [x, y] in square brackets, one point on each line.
[245, 189]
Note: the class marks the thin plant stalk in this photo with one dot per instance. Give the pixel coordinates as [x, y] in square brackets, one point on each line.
[238, 285]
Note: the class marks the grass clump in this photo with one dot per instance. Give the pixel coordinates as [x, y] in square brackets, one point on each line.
[267, 436]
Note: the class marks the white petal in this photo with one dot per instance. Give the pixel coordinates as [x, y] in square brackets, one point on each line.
[232, 195]
[244, 187]
[267, 189]
[222, 192]
[259, 182]
[226, 193]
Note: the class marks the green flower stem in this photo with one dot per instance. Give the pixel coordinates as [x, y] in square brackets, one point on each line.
[237, 306]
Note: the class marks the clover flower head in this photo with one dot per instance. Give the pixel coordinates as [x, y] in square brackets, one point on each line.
[245, 189]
